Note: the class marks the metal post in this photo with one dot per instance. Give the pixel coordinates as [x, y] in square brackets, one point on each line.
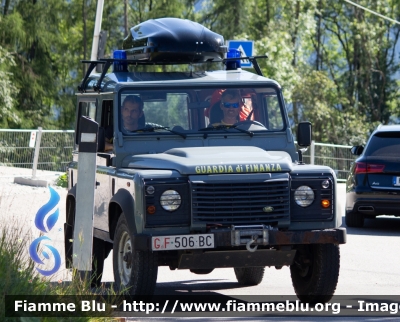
[312, 152]
[37, 150]
[85, 189]
[97, 27]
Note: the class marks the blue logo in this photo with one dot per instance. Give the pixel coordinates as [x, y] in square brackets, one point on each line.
[45, 225]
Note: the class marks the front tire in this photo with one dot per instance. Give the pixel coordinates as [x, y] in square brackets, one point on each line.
[249, 276]
[315, 272]
[135, 272]
[354, 219]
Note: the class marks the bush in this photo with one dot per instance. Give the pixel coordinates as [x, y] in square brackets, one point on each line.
[62, 180]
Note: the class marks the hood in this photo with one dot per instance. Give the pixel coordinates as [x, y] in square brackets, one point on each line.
[209, 160]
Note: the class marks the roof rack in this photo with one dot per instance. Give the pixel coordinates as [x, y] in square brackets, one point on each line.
[107, 62]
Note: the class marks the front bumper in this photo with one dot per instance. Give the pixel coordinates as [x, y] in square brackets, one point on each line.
[223, 238]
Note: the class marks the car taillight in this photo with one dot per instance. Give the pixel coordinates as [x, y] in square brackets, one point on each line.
[375, 168]
[362, 167]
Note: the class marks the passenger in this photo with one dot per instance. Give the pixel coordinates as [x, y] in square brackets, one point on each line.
[132, 115]
[246, 109]
[230, 106]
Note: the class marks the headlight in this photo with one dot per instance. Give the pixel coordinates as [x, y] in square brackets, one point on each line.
[150, 190]
[304, 196]
[325, 184]
[170, 200]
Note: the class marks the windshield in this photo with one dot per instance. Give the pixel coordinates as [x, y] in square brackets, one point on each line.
[188, 110]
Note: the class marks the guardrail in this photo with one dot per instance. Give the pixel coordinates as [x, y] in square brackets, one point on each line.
[17, 148]
[338, 157]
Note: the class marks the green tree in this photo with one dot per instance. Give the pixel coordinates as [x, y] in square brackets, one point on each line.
[8, 114]
[142, 10]
[287, 43]
[309, 43]
[29, 31]
[76, 30]
[227, 17]
[353, 52]
[360, 55]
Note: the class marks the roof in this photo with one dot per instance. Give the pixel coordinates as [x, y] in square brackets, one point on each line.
[169, 41]
[388, 128]
[111, 80]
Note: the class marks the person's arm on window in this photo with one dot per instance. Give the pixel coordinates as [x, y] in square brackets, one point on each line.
[109, 134]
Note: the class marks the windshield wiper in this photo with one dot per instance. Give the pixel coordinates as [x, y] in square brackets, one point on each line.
[153, 128]
[226, 127]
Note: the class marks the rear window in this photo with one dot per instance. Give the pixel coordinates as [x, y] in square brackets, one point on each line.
[384, 144]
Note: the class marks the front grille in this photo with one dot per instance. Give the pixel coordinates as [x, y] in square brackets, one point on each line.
[241, 203]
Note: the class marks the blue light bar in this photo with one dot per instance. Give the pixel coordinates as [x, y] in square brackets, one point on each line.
[119, 66]
[233, 64]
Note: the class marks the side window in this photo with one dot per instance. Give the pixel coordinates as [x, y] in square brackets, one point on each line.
[274, 115]
[85, 108]
[107, 114]
[88, 109]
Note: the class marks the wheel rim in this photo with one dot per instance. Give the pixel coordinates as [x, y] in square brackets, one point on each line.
[125, 258]
[304, 265]
[303, 271]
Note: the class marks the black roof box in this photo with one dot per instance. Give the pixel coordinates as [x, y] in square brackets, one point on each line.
[173, 40]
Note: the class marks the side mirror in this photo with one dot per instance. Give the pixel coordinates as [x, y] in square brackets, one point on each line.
[357, 150]
[304, 134]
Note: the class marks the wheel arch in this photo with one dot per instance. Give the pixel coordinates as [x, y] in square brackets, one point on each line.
[121, 202]
[70, 201]
[69, 225]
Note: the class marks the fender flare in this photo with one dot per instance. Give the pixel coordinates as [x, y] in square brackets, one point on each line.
[124, 199]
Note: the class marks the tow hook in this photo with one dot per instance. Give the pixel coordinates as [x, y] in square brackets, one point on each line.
[250, 236]
[253, 240]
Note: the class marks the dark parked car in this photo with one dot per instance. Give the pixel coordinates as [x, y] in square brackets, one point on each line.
[373, 185]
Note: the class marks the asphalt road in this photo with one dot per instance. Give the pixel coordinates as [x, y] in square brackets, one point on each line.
[369, 260]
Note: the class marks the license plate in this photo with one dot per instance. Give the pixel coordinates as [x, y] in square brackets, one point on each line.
[182, 242]
[396, 181]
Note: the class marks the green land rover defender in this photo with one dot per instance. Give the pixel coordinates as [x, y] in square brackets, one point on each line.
[198, 169]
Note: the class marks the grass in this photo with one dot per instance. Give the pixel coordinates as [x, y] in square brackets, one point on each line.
[62, 180]
[19, 276]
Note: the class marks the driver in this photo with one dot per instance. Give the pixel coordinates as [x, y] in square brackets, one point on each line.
[131, 112]
[231, 102]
